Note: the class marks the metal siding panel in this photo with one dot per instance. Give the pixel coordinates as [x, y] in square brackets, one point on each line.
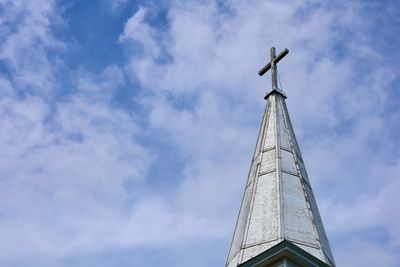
[290, 128]
[288, 164]
[270, 132]
[297, 221]
[283, 130]
[268, 161]
[263, 224]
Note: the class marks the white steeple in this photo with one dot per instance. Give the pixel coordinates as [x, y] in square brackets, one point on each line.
[278, 203]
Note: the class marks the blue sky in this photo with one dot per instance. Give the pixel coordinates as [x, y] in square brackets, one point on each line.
[127, 127]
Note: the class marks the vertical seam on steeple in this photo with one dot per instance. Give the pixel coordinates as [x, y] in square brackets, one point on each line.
[278, 171]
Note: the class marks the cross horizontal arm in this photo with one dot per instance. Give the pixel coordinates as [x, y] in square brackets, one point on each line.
[276, 60]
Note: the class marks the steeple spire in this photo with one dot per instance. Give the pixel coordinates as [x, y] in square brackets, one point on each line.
[278, 219]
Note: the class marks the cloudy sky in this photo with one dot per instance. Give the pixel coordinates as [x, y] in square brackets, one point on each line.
[127, 127]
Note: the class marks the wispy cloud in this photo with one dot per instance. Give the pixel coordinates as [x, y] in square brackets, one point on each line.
[115, 5]
[26, 30]
[83, 178]
[335, 98]
[66, 163]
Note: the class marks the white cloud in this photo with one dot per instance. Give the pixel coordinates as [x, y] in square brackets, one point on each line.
[64, 173]
[335, 104]
[65, 163]
[115, 5]
[23, 48]
[137, 31]
[73, 173]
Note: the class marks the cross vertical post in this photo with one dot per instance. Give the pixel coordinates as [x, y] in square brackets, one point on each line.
[273, 68]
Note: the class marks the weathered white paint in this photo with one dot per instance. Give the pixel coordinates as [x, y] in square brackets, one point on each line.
[278, 203]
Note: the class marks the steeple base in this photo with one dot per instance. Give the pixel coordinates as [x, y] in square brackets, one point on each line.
[284, 254]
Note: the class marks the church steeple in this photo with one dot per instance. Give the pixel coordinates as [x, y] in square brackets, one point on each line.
[279, 221]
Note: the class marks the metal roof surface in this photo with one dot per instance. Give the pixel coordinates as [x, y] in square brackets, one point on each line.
[278, 202]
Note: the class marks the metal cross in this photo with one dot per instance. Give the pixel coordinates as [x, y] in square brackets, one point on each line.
[272, 65]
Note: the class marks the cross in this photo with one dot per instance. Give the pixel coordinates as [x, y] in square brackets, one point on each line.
[272, 65]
